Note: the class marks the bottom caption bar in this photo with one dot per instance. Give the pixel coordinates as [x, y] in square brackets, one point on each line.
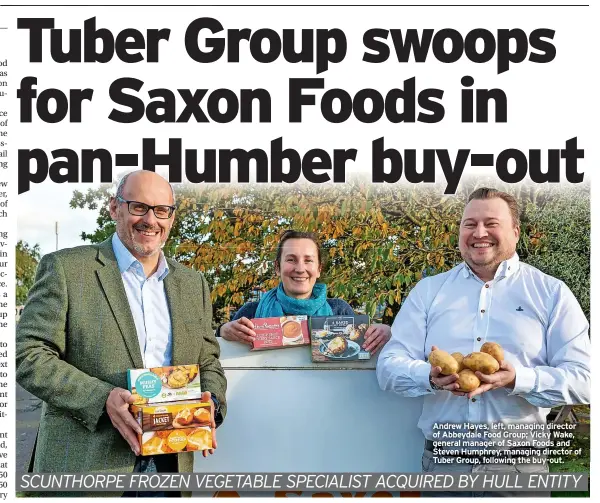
[302, 481]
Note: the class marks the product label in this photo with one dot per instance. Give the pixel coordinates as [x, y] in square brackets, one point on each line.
[148, 385]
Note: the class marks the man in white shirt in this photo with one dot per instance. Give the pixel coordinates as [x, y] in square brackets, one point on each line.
[490, 297]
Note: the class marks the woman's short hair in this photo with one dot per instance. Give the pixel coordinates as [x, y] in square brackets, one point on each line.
[291, 234]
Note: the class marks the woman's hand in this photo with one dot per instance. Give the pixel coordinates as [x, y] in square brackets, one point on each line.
[376, 337]
[239, 330]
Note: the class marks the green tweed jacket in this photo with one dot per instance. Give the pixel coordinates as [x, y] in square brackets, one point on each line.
[77, 338]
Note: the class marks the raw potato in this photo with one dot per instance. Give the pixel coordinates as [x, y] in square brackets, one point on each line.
[494, 349]
[482, 362]
[467, 380]
[444, 360]
[459, 358]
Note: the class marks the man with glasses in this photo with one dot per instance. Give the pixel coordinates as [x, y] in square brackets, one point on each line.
[96, 311]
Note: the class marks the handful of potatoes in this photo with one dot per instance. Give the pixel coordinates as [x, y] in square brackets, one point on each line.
[487, 361]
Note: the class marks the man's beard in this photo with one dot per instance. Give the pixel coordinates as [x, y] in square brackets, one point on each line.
[492, 264]
[139, 248]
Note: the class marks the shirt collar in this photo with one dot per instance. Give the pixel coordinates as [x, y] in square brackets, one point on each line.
[508, 267]
[126, 260]
[505, 269]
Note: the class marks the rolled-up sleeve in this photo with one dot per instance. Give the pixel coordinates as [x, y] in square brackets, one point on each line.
[402, 366]
[565, 380]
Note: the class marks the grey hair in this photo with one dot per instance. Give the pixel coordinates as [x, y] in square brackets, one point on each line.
[121, 186]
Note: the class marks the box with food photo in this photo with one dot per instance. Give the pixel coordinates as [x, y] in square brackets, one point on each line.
[280, 332]
[173, 427]
[164, 384]
[338, 338]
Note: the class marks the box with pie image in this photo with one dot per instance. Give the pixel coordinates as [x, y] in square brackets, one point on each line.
[280, 332]
[174, 427]
[338, 338]
[173, 441]
[164, 384]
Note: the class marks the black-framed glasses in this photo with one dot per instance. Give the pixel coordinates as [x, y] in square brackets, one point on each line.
[138, 209]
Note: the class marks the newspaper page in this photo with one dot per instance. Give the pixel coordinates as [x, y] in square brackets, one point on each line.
[394, 198]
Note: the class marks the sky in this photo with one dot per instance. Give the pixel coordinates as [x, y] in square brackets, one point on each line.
[48, 203]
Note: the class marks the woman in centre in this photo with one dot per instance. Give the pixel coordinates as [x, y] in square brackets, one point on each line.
[298, 265]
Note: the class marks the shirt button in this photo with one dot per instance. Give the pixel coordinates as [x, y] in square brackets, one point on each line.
[478, 339]
[473, 399]
[483, 310]
[487, 286]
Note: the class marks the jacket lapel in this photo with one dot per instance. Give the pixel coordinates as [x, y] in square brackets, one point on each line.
[186, 320]
[181, 355]
[112, 284]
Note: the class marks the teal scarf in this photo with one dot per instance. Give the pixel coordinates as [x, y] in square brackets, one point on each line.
[276, 303]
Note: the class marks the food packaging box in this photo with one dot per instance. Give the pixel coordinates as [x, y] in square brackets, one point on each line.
[169, 428]
[280, 332]
[338, 338]
[164, 384]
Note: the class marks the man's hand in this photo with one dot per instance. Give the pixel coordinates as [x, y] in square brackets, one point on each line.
[241, 330]
[207, 398]
[447, 383]
[117, 407]
[376, 337]
[503, 378]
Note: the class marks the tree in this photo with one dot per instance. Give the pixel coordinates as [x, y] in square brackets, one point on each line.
[96, 199]
[560, 232]
[27, 259]
[378, 240]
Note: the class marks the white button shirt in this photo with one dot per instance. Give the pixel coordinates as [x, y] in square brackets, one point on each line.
[535, 318]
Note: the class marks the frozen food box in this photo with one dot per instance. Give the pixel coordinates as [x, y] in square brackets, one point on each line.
[164, 384]
[338, 338]
[169, 428]
[280, 332]
[173, 441]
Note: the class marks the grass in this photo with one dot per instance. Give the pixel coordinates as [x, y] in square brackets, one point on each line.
[574, 464]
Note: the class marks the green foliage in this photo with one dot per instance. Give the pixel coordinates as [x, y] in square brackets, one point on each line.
[574, 464]
[560, 228]
[96, 199]
[378, 241]
[27, 259]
